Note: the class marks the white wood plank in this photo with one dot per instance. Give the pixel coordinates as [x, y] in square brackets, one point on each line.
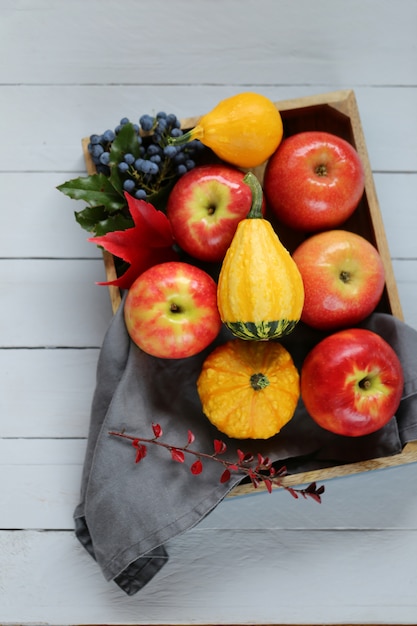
[54, 140]
[40, 484]
[53, 303]
[406, 278]
[42, 451]
[396, 196]
[304, 577]
[46, 393]
[44, 226]
[299, 43]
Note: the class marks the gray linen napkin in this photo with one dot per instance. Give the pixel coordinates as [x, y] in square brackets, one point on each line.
[128, 511]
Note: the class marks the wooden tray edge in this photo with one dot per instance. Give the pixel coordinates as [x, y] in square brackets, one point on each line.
[344, 101]
[406, 456]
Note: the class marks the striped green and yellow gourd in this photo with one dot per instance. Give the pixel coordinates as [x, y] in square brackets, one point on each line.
[260, 291]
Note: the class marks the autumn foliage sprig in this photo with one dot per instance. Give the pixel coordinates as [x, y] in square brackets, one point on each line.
[258, 469]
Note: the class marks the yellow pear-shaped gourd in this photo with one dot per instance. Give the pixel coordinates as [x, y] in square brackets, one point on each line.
[243, 130]
[260, 291]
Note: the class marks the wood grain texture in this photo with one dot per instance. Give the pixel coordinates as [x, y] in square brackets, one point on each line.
[75, 111]
[44, 214]
[68, 69]
[61, 295]
[58, 391]
[42, 492]
[194, 588]
[296, 43]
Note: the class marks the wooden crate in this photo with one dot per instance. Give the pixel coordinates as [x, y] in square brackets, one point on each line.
[335, 112]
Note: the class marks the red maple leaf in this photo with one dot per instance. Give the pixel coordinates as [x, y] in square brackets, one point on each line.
[147, 243]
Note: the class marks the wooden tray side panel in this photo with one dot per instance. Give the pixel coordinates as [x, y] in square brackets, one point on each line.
[109, 266]
[408, 455]
[374, 210]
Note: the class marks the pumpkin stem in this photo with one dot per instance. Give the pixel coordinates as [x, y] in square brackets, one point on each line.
[259, 381]
[257, 196]
[195, 133]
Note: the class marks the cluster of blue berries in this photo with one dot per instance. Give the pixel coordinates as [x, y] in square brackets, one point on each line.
[150, 164]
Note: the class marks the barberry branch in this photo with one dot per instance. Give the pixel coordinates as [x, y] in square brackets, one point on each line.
[258, 469]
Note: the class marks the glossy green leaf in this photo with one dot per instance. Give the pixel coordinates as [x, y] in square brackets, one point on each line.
[96, 190]
[113, 223]
[126, 142]
[96, 220]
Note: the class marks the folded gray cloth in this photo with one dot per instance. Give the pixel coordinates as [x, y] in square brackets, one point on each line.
[128, 510]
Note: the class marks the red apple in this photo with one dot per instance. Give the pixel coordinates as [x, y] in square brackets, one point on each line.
[314, 181]
[171, 310]
[343, 278]
[352, 382]
[204, 208]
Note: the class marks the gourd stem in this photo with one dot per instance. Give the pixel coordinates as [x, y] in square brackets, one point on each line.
[195, 133]
[259, 381]
[257, 196]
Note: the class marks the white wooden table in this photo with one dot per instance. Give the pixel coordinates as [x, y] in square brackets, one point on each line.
[68, 69]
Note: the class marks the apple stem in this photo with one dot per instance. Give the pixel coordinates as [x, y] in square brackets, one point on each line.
[344, 276]
[174, 308]
[365, 383]
[321, 170]
[257, 196]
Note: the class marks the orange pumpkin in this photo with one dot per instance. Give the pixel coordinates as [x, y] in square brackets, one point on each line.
[249, 389]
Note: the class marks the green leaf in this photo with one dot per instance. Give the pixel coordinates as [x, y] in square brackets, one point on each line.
[116, 178]
[112, 223]
[97, 221]
[88, 217]
[126, 142]
[96, 190]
